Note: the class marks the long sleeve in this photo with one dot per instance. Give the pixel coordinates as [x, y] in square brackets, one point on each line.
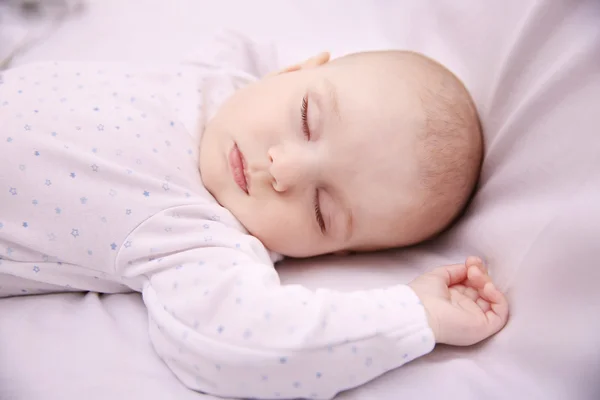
[224, 324]
[125, 208]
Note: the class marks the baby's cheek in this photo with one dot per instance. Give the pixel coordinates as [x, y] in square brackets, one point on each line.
[280, 229]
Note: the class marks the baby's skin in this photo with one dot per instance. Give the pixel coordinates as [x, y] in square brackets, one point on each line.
[366, 152]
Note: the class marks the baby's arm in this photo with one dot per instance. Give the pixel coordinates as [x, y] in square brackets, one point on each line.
[234, 331]
[223, 323]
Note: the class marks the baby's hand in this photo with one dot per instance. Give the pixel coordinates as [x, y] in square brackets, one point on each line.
[463, 306]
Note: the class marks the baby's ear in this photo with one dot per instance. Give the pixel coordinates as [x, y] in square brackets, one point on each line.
[312, 62]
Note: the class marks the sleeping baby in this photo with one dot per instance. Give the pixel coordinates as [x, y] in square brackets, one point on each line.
[116, 179]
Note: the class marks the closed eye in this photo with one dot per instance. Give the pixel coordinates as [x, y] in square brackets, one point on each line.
[304, 117]
[318, 214]
[306, 130]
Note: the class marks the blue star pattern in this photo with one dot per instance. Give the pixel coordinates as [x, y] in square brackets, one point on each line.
[108, 181]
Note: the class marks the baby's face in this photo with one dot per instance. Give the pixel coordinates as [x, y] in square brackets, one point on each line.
[318, 160]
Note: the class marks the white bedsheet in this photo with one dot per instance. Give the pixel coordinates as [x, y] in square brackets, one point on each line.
[534, 70]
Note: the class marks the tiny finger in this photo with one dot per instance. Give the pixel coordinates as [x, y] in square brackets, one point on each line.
[477, 278]
[493, 294]
[476, 262]
[452, 274]
[497, 300]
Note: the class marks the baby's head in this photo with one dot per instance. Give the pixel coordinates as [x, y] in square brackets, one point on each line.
[369, 151]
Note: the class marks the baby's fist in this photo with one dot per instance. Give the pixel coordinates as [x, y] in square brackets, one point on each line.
[463, 306]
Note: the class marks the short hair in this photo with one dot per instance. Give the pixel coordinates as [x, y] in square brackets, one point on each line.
[450, 147]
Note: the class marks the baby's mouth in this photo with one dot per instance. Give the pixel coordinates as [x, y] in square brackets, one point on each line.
[237, 165]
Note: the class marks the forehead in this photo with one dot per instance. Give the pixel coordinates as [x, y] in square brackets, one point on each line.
[370, 107]
[371, 125]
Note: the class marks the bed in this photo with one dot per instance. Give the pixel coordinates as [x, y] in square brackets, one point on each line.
[533, 68]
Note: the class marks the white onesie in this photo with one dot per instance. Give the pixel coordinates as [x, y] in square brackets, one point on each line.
[100, 191]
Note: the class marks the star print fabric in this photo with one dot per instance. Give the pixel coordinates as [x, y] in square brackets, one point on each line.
[100, 191]
[87, 153]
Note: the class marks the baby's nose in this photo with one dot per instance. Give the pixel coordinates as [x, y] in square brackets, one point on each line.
[289, 168]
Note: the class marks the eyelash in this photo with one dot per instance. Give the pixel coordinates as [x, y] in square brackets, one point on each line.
[318, 214]
[306, 130]
[304, 115]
